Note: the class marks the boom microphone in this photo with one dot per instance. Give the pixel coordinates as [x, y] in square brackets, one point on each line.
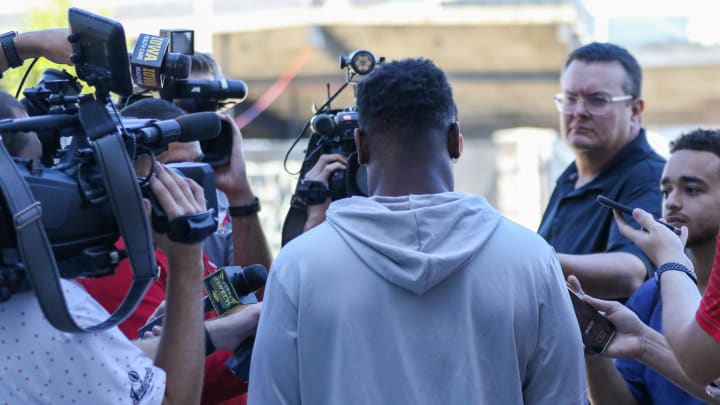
[185, 128]
[208, 90]
[151, 62]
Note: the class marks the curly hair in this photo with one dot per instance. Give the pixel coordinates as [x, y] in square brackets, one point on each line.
[703, 140]
[405, 96]
[607, 52]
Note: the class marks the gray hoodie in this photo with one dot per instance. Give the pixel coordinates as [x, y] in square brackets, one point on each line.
[421, 299]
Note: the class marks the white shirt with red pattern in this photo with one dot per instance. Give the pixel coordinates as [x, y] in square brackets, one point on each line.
[42, 365]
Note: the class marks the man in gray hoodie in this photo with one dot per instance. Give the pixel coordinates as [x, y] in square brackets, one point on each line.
[416, 294]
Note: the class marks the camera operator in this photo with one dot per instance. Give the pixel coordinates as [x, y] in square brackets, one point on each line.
[240, 239]
[44, 364]
[219, 383]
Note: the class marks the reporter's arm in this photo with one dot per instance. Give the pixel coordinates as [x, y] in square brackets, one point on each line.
[634, 339]
[697, 352]
[608, 275]
[228, 332]
[605, 383]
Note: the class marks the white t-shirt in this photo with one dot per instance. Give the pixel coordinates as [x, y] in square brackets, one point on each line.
[42, 365]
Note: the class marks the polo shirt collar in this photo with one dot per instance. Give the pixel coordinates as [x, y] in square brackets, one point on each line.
[638, 149]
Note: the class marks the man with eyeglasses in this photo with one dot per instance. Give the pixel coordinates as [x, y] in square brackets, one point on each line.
[600, 119]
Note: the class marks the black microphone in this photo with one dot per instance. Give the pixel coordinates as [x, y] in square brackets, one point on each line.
[230, 289]
[185, 128]
[208, 90]
[151, 62]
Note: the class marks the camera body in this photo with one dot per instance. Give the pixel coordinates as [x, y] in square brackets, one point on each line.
[333, 132]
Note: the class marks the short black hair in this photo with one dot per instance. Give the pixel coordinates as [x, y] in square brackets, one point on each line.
[701, 140]
[405, 95]
[204, 63]
[607, 52]
[152, 108]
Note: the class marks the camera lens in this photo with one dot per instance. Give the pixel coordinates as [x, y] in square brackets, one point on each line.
[176, 65]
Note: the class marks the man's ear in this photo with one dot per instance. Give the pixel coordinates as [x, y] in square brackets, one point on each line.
[361, 145]
[455, 140]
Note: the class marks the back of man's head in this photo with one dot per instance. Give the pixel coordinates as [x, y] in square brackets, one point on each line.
[702, 140]
[607, 52]
[405, 97]
[152, 108]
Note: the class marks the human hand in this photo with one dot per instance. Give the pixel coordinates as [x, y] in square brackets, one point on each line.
[229, 331]
[321, 171]
[657, 241]
[232, 179]
[177, 196]
[713, 390]
[51, 43]
[629, 329]
[325, 166]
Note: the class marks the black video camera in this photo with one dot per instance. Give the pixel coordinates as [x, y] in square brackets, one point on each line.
[332, 131]
[173, 83]
[63, 221]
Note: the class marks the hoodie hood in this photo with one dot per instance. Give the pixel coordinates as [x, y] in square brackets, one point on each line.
[415, 241]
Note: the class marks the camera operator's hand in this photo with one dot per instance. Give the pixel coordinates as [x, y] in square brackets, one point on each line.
[321, 171]
[178, 196]
[249, 242]
[232, 179]
[49, 43]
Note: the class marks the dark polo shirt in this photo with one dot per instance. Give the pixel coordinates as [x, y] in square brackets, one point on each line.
[574, 223]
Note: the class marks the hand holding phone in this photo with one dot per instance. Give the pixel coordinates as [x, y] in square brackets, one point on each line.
[602, 200]
[596, 330]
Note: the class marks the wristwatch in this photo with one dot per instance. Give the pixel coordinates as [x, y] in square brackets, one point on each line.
[245, 210]
[7, 40]
[676, 267]
[311, 192]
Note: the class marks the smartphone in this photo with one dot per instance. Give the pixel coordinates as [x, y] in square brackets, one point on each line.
[596, 330]
[602, 200]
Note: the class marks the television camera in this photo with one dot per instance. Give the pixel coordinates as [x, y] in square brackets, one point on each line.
[331, 131]
[63, 220]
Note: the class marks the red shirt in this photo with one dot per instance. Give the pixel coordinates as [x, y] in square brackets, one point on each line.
[708, 314]
[219, 383]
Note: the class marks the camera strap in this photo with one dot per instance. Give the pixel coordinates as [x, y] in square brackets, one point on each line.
[36, 251]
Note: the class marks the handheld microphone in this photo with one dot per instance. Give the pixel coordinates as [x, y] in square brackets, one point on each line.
[230, 289]
[151, 62]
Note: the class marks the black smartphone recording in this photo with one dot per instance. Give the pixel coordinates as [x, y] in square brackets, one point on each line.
[596, 330]
[602, 200]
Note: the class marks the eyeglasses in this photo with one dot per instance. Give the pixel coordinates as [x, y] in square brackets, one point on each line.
[595, 104]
